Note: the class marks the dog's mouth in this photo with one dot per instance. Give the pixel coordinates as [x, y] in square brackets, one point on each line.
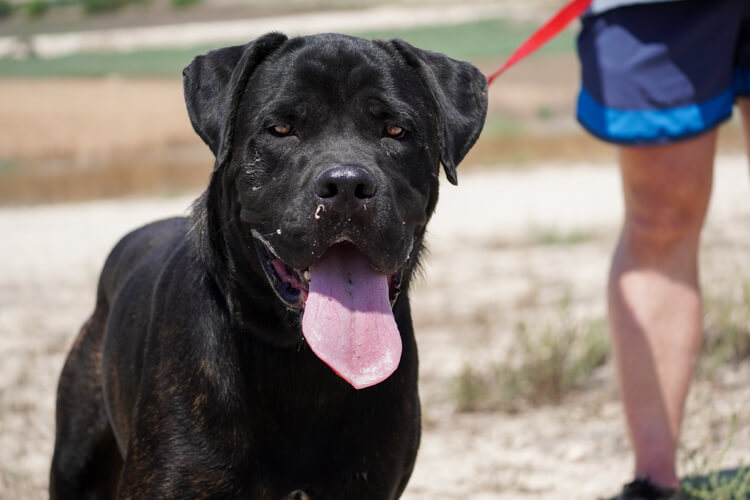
[292, 286]
[347, 309]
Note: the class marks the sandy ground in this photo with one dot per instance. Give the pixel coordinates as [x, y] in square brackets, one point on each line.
[487, 270]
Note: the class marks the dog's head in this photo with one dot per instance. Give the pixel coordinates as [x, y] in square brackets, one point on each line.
[328, 150]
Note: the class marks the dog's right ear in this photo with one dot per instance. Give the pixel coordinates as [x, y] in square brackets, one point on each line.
[213, 84]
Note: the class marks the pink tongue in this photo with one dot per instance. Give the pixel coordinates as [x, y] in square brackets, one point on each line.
[348, 321]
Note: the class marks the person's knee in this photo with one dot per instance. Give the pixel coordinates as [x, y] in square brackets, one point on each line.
[665, 203]
[664, 221]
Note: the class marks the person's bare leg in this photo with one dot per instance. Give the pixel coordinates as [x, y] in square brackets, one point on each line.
[655, 311]
[743, 103]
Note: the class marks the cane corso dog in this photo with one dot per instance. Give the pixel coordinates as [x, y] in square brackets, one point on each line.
[263, 348]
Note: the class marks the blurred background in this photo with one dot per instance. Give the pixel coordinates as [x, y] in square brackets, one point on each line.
[518, 391]
[91, 102]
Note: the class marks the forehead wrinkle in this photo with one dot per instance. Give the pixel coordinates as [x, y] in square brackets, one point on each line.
[312, 77]
[337, 71]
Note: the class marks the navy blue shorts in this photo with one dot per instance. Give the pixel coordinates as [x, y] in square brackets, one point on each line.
[662, 72]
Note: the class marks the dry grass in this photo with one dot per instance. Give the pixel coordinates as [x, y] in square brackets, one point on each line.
[727, 330]
[709, 481]
[549, 361]
[81, 120]
[83, 139]
[162, 173]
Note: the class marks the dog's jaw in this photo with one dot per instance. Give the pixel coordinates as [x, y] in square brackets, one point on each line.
[292, 286]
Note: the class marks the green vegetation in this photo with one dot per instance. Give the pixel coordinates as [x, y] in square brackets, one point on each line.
[545, 113]
[486, 39]
[101, 6]
[503, 125]
[548, 362]
[554, 358]
[6, 9]
[36, 8]
[709, 481]
[726, 331]
[183, 3]
[7, 166]
[551, 359]
[549, 236]
[726, 342]
[482, 39]
[719, 485]
[157, 62]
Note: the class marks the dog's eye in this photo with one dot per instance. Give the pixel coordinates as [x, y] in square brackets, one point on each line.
[282, 130]
[394, 131]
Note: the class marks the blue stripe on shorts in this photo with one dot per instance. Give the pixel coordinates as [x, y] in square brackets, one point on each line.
[654, 126]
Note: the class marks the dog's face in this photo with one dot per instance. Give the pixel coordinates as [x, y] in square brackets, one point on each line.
[332, 147]
[335, 150]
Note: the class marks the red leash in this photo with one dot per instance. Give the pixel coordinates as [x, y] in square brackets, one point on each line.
[554, 26]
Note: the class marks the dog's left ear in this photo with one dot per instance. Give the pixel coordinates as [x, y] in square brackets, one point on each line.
[460, 93]
[213, 84]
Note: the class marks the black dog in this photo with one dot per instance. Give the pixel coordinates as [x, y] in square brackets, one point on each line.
[264, 349]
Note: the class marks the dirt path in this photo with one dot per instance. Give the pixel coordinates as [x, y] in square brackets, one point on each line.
[488, 269]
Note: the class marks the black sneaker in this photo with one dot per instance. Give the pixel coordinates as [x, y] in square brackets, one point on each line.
[643, 489]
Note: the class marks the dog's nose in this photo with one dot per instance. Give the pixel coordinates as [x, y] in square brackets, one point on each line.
[345, 188]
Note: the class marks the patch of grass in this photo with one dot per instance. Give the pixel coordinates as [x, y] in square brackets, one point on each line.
[136, 175]
[548, 362]
[502, 125]
[7, 166]
[718, 484]
[549, 236]
[726, 331]
[488, 38]
[6, 9]
[493, 38]
[36, 8]
[181, 4]
[545, 113]
[102, 6]
[154, 63]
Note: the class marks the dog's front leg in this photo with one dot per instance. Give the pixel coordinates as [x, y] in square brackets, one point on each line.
[172, 459]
